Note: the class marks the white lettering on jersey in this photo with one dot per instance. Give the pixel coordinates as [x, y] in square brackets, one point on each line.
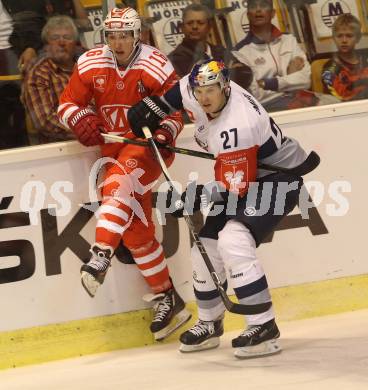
[276, 133]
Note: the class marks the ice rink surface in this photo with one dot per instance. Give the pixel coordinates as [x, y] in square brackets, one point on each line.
[324, 353]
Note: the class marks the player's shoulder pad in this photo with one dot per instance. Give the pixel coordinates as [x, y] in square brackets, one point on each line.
[96, 58]
[147, 50]
[154, 62]
[252, 104]
[185, 89]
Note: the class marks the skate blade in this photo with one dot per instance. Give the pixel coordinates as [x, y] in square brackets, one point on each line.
[180, 319]
[90, 283]
[211, 343]
[270, 347]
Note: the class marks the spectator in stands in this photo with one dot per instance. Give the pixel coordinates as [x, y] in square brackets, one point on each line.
[48, 78]
[21, 23]
[72, 8]
[29, 17]
[345, 76]
[195, 47]
[281, 72]
[196, 26]
[12, 123]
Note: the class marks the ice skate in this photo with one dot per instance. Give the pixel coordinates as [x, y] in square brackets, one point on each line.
[169, 313]
[257, 341]
[201, 336]
[93, 273]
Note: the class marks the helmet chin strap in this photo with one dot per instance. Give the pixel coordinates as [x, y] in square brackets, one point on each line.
[132, 55]
[134, 52]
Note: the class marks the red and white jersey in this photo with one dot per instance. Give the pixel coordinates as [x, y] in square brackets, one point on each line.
[97, 81]
[241, 135]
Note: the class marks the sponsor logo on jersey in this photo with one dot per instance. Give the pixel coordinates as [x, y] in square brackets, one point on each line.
[115, 116]
[100, 82]
[120, 85]
[234, 276]
[195, 278]
[331, 10]
[252, 102]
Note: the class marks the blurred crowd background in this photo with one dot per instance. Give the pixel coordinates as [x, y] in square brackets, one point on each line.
[288, 53]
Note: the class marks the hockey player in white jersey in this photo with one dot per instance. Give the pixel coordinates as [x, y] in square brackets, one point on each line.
[233, 126]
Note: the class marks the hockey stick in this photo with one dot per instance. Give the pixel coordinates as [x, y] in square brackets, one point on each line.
[189, 152]
[311, 162]
[308, 165]
[230, 306]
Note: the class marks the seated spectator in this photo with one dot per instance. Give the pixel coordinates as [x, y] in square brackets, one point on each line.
[29, 17]
[48, 78]
[281, 71]
[12, 119]
[72, 8]
[345, 76]
[195, 47]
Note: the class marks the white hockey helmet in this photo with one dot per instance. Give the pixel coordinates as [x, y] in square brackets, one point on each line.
[124, 19]
[209, 72]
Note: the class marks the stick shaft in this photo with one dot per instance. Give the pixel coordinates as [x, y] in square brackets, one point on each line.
[189, 152]
[307, 166]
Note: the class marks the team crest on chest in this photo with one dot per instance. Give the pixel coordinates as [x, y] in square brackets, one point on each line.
[100, 82]
[234, 171]
[234, 178]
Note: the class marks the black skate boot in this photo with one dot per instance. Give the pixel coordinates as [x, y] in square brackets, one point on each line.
[257, 340]
[93, 273]
[169, 313]
[202, 335]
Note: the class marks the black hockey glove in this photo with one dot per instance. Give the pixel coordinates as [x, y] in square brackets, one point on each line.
[148, 112]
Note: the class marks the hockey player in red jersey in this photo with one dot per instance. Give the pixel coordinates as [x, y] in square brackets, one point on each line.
[106, 82]
[248, 203]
